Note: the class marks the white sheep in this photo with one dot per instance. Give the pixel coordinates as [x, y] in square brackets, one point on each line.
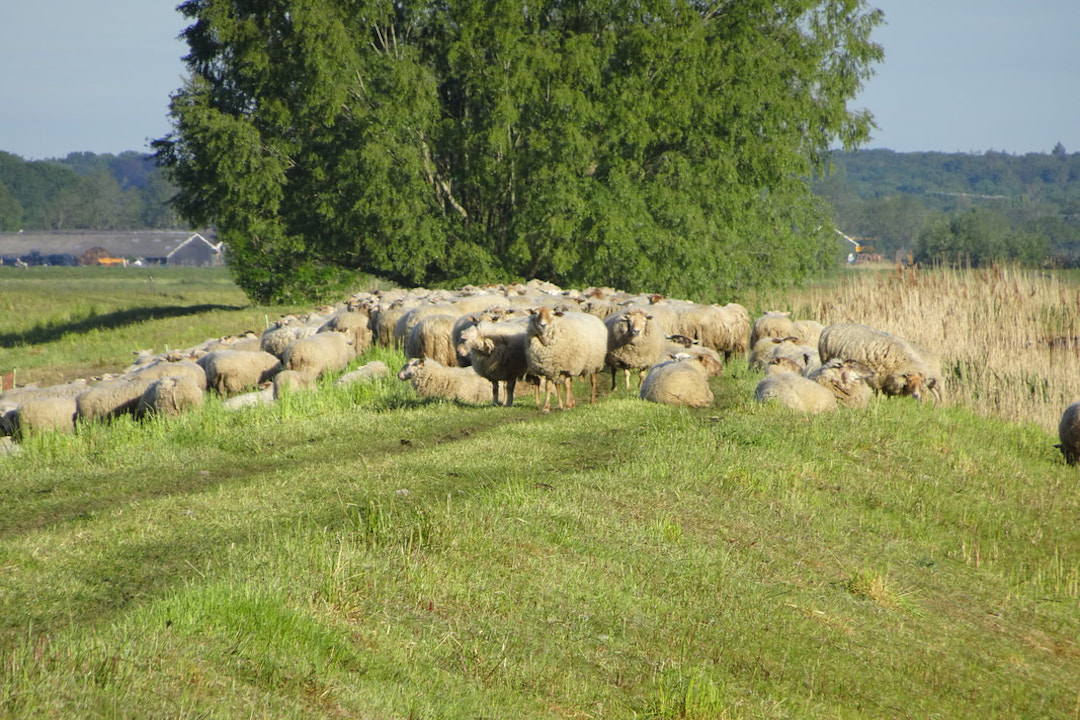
[232, 371]
[290, 381]
[769, 348]
[46, 414]
[635, 342]
[563, 346]
[774, 323]
[279, 337]
[1069, 434]
[374, 369]
[724, 328]
[112, 398]
[846, 379]
[319, 353]
[171, 395]
[356, 324]
[808, 331]
[430, 378]
[174, 368]
[683, 380]
[898, 367]
[497, 352]
[796, 392]
[432, 337]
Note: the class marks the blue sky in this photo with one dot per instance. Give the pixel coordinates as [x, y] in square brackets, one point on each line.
[958, 76]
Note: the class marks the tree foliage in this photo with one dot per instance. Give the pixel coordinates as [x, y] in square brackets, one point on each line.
[660, 144]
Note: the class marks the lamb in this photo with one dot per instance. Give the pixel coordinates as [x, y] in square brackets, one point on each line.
[683, 380]
[497, 352]
[897, 366]
[847, 380]
[320, 353]
[430, 378]
[1069, 434]
[796, 392]
[170, 396]
[635, 342]
[774, 323]
[565, 345]
[46, 414]
[232, 371]
[432, 336]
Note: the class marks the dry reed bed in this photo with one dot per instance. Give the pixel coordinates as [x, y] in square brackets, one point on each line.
[1009, 339]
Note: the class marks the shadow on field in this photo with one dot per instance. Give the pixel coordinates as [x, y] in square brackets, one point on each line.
[49, 332]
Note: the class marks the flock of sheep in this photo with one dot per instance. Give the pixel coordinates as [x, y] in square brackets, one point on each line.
[476, 345]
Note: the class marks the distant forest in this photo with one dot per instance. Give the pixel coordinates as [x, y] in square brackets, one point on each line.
[939, 207]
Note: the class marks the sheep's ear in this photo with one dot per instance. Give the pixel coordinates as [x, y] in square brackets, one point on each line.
[649, 316]
[559, 313]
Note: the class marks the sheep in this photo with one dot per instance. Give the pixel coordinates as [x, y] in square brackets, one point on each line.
[355, 324]
[723, 328]
[232, 371]
[171, 395]
[635, 342]
[113, 398]
[497, 352]
[320, 353]
[165, 368]
[432, 337]
[406, 322]
[374, 369]
[255, 398]
[796, 392]
[846, 379]
[768, 348]
[1069, 434]
[278, 338]
[774, 323]
[385, 320]
[562, 346]
[898, 368]
[289, 381]
[683, 380]
[430, 378]
[46, 414]
[808, 331]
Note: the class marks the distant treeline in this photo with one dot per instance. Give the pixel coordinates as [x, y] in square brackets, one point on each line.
[957, 207]
[84, 191]
[952, 207]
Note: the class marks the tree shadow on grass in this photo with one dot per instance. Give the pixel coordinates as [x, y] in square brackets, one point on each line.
[50, 332]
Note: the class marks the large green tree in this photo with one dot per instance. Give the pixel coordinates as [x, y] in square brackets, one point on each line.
[655, 144]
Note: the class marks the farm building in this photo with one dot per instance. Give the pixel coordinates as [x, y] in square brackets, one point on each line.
[58, 247]
[196, 251]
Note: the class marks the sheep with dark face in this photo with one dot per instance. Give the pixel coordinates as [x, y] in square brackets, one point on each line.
[1069, 434]
[497, 352]
[898, 367]
[563, 346]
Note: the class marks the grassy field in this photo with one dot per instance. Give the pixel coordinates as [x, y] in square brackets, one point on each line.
[359, 552]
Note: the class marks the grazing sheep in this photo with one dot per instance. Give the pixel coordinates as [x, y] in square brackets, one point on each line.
[774, 323]
[166, 368]
[796, 392]
[46, 414]
[724, 328]
[808, 331]
[112, 399]
[320, 353]
[430, 378]
[385, 320]
[681, 381]
[897, 366]
[408, 321]
[1069, 434]
[635, 342]
[432, 337]
[497, 352]
[565, 345]
[846, 379]
[355, 324]
[231, 371]
[170, 396]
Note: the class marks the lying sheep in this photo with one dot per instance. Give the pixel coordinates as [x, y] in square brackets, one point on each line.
[374, 369]
[683, 380]
[320, 353]
[232, 371]
[355, 324]
[635, 342]
[796, 392]
[432, 337]
[497, 353]
[769, 348]
[277, 339]
[171, 396]
[808, 331]
[849, 381]
[1069, 434]
[565, 345]
[46, 414]
[290, 381]
[898, 368]
[174, 368]
[774, 323]
[430, 378]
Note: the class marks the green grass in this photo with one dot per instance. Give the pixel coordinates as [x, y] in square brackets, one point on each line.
[361, 552]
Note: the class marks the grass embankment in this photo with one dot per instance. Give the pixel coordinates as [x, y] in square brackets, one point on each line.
[358, 552]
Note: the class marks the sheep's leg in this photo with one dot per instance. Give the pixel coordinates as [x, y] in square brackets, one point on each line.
[613, 371]
[569, 381]
[592, 382]
[509, 394]
[626, 371]
[547, 394]
[494, 392]
[641, 377]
